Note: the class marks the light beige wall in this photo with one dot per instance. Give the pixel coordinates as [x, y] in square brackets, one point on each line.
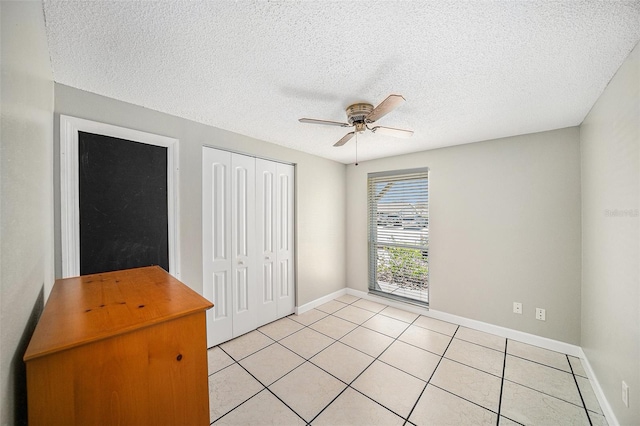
[504, 227]
[610, 147]
[320, 196]
[26, 193]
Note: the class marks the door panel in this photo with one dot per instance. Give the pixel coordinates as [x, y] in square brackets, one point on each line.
[243, 212]
[284, 278]
[266, 224]
[216, 244]
[219, 211]
[285, 214]
[220, 289]
[242, 290]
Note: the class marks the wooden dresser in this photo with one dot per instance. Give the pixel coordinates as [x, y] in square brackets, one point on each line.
[123, 348]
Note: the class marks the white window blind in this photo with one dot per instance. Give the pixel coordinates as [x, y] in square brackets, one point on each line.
[399, 233]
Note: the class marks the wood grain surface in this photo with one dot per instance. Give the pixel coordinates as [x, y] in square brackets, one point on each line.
[135, 352]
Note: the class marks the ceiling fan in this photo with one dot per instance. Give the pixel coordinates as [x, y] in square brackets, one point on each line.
[360, 115]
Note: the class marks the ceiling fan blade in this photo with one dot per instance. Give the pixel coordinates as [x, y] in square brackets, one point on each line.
[398, 133]
[325, 122]
[346, 138]
[385, 107]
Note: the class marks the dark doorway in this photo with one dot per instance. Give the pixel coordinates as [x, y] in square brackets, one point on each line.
[122, 203]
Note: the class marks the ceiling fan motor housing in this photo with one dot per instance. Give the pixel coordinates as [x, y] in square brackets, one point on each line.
[357, 113]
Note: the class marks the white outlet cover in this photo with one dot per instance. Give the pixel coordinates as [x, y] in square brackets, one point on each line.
[541, 314]
[517, 308]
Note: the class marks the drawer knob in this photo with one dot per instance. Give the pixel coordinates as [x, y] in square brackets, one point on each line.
[179, 357]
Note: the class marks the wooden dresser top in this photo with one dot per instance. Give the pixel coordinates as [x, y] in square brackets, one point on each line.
[84, 309]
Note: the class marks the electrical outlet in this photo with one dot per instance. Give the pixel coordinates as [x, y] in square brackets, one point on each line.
[517, 308]
[541, 314]
[625, 394]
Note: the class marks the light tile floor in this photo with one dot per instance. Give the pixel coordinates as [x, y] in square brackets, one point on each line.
[356, 362]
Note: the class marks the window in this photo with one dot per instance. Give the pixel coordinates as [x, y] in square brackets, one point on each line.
[399, 234]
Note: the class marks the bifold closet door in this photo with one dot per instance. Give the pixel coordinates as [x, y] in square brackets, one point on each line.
[228, 226]
[248, 242]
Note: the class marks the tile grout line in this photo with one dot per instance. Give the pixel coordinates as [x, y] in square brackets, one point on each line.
[348, 385]
[470, 366]
[251, 353]
[579, 391]
[386, 316]
[358, 326]
[264, 388]
[544, 393]
[395, 338]
[319, 367]
[543, 364]
[431, 377]
[301, 356]
[277, 340]
[504, 368]
[274, 341]
[451, 337]
[295, 368]
[237, 406]
[366, 368]
[236, 362]
[463, 398]
[479, 344]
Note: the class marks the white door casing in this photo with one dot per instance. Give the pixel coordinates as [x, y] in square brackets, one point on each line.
[69, 192]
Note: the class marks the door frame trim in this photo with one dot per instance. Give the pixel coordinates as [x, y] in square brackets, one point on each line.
[246, 154]
[69, 181]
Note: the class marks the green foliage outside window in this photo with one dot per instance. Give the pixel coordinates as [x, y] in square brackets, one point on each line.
[406, 267]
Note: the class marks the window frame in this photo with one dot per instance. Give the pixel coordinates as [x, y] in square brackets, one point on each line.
[373, 241]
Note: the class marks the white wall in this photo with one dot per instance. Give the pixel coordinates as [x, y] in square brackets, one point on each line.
[320, 201]
[610, 147]
[26, 194]
[504, 227]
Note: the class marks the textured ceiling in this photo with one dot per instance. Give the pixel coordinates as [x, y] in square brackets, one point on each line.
[470, 71]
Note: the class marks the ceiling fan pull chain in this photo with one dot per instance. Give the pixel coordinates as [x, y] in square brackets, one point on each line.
[356, 148]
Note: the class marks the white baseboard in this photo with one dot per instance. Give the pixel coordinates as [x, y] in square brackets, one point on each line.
[324, 299]
[612, 420]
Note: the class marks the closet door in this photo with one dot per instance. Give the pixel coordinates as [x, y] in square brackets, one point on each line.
[247, 224]
[243, 260]
[285, 239]
[266, 172]
[216, 243]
